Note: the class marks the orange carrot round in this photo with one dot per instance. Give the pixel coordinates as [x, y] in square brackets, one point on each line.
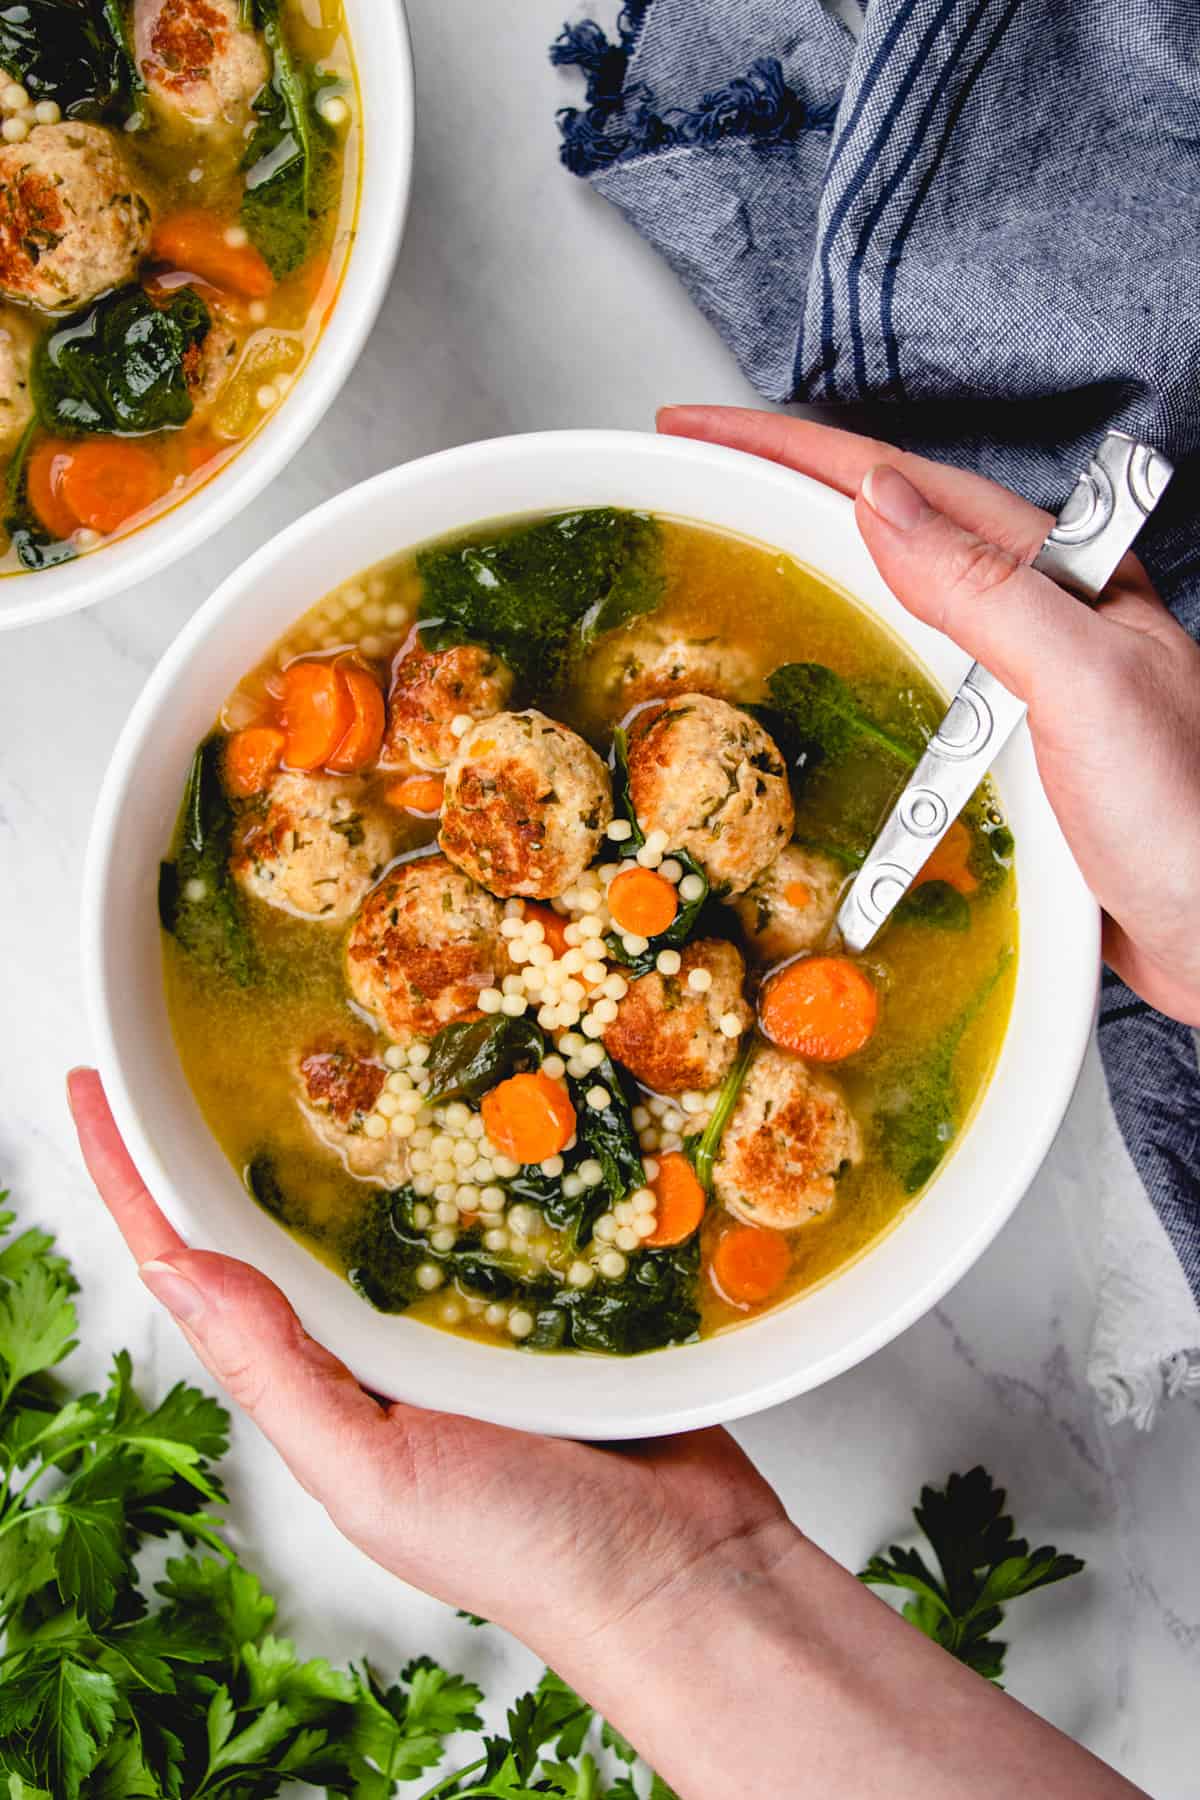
[749, 1265]
[529, 1117]
[196, 241]
[316, 711]
[359, 747]
[951, 861]
[681, 1201]
[43, 485]
[823, 1007]
[643, 902]
[417, 794]
[553, 925]
[251, 758]
[107, 481]
[798, 894]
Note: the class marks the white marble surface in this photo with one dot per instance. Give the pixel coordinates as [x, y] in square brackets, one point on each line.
[520, 302]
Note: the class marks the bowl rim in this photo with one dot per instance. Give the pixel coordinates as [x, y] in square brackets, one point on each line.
[385, 189]
[525, 1404]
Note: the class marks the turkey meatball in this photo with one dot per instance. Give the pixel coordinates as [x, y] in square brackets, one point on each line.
[201, 64]
[432, 688]
[337, 1090]
[710, 778]
[787, 1140]
[667, 1031]
[72, 221]
[424, 945]
[655, 665]
[16, 401]
[525, 806]
[791, 906]
[310, 845]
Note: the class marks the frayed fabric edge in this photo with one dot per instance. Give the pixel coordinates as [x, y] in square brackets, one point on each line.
[621, 122]
[1135, 1396]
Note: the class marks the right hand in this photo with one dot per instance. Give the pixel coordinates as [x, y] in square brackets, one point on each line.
[1113, 694]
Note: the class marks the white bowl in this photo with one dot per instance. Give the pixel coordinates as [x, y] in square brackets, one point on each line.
[781, 1354]
[379, 38]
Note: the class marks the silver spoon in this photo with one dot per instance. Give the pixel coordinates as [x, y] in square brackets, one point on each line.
[1110, 503]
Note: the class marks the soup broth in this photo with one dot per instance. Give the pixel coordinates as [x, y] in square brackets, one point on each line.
[557, 1251]
[175, 222]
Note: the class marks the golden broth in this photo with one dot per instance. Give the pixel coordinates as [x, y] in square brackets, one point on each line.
[237, 1045]
[179, 173]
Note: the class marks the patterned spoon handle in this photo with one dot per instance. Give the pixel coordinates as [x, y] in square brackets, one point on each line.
[1108, 506]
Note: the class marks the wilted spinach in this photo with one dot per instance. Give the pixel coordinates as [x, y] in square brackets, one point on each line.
[120, 367]
[289, 161]
[815, 716]
[542, 593]
[74, 52]
[197, 900]
[702, 1149]
[607, 1133]
[465, 1060]
[918, 1113]
[655, 1305]
[387, 1249]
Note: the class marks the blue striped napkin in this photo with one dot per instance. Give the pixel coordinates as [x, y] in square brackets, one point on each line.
[981, 214]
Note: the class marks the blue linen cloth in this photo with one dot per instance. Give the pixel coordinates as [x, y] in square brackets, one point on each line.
[981, 215]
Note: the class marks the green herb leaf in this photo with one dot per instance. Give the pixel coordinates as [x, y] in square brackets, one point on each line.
[982, 1563]
[289, 164]
[822, 718]
[704, 1147]
[540, 594]
[120, 367]
[198, 903]
[466, 1060]
[76, 54]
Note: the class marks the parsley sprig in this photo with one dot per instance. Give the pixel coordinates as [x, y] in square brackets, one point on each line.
[982, 1563]
[185, 1691]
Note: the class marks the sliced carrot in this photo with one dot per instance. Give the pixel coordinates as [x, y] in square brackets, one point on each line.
[251, 758]
[529, 1117]
[359, 747]
[417, 794]
[43, 485]
[951, 861]
[823, 1007]
[681, 1201]
[749, 1265]
[798, 894]
[107, 481]
[642, 902]
[553, 925]
[196, 241]
[199, 451]
[316, 711]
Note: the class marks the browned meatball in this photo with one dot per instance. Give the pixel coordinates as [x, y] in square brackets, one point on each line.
[788, 1138]
[710, 778]
[424, 945]
[16, 399]
[667, 1031]
[791, 906]
[200, 62]
[312, 845]
[432, 688]
[337, 1089]
[525, 806]
[72, 221]
[648, 663]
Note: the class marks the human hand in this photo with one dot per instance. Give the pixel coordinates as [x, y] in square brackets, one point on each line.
[1113, 694]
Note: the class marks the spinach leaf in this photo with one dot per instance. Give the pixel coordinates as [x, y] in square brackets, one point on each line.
[935, 903]
[387, 1249]
[121, 366]
[607, 1134]
[540, 594]
[621, 796]
[918, 1114]
[466, 1060]
[289, 162]
[815, 712]
[702, 1148]
[36, 548]
[198, 903]
[655, 1305]
[678, 932]
[74, 52]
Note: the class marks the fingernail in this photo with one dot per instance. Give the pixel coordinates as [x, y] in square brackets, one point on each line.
[896, 500]
[181, 1297]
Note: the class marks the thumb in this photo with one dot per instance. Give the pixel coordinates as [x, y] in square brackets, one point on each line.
[1008, 616]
